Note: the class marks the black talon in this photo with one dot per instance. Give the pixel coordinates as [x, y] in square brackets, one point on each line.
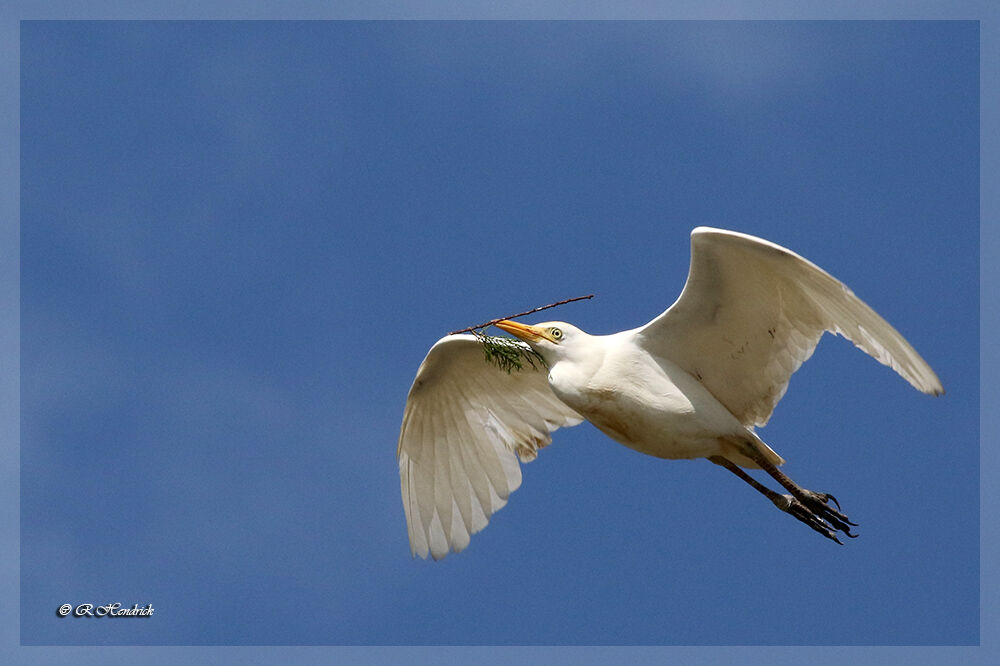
[840, 516]
[819, 505]
[807, 516]
[838, 524]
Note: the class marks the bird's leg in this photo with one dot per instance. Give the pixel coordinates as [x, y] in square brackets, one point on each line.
[812, 510]
[817, 503]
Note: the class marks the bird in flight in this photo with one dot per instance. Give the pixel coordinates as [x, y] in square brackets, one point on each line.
[691, 383]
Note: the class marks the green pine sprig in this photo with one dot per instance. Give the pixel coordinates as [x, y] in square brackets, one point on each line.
[509, 354]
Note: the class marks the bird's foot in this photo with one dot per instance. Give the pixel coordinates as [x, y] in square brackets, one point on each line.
[814, 510]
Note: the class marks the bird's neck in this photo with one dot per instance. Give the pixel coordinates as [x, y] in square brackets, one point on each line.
[575, 370]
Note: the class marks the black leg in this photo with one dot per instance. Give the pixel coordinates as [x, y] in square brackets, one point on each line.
[809, 507]
[818, 503]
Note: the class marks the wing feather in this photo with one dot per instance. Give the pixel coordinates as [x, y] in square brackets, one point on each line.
[752, 312]
[465, 425]
[463, 493]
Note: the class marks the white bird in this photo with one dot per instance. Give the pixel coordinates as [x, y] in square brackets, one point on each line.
[692, 383]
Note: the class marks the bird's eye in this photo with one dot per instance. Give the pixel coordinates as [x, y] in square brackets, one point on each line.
[555, 333]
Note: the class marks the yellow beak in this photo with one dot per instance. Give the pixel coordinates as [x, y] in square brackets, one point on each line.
[523, 331]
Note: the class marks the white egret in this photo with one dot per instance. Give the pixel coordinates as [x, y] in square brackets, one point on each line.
[692, 383]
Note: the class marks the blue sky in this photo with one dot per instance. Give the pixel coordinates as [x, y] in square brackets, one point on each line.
[239, 239]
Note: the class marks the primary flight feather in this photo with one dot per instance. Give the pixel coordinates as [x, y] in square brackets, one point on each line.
[692, 383]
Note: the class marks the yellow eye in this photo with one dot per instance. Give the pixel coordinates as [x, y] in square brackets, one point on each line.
[555, 333]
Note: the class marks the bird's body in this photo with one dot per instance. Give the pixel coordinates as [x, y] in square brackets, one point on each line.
[692, 383]
[647, 403]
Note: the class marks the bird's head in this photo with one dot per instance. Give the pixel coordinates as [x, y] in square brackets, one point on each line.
[552, 339]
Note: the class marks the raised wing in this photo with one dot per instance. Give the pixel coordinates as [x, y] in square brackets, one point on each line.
[465, 420]
[752, 312]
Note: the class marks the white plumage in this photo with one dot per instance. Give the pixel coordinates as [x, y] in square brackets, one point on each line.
[691, 383]
[465, 421]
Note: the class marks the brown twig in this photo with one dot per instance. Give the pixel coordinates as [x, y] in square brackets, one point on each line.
[521, 314]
